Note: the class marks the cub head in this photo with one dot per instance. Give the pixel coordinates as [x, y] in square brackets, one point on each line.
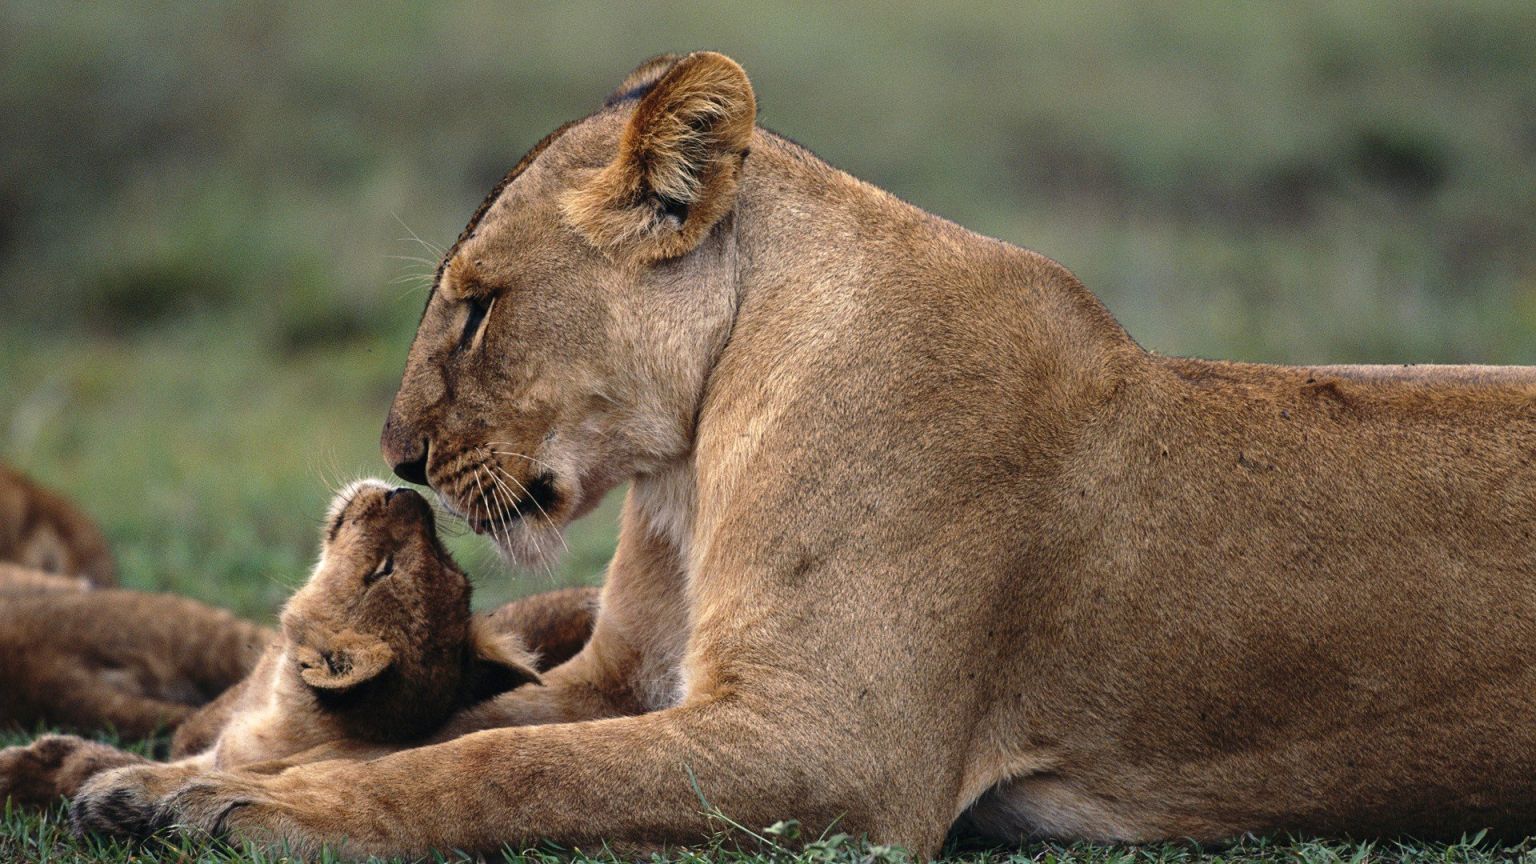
[382, 631]
[569, 331]
[42, 530]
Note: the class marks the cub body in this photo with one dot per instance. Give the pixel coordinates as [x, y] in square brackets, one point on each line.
[131, 661]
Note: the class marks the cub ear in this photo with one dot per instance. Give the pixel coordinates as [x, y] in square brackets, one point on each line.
[353, 659]
[498, 662]
[679, 158]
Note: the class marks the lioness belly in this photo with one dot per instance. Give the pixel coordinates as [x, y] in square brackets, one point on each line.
[1298, 600]
[1458, 766]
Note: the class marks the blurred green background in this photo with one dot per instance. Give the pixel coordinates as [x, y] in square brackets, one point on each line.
[210, 271]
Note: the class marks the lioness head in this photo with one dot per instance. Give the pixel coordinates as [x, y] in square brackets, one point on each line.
[383, 631]
[569, 332]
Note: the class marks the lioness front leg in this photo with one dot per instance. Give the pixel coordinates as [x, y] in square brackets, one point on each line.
[630, 781]
[126, 797]
[628, 664]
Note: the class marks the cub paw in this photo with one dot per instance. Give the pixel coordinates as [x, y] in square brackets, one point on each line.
[53, 767]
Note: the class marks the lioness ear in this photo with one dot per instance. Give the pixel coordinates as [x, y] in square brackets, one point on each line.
[353, 659]
[639, 82]
[498, 662]
[679, 159]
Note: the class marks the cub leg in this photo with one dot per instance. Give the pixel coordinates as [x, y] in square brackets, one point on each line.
[54, 767]
[86, 704]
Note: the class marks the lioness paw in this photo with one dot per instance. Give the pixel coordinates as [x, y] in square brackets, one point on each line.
[127, 802]
[226, 807]
[142, 800]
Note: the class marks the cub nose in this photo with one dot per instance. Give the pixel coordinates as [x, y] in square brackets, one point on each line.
[406, 503]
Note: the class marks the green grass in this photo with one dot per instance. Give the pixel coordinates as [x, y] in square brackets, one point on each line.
[209, 264]
[34, 837]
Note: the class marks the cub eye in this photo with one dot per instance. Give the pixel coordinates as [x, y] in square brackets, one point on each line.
[386, 567]
[479, 308]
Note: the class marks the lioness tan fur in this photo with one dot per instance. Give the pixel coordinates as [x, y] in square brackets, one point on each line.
[378, 648]
[41, 530]
[918, 537]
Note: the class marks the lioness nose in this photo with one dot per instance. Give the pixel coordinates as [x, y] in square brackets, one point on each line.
[413, 470]
[405, 453]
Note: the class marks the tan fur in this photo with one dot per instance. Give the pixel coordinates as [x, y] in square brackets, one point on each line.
[554, 626]
[682, 150]
[16, 579]
[371, 660]
[133, 662]
[918, 535]
[42, 530]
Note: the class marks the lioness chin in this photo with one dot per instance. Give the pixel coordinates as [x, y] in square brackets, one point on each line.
[919, 537]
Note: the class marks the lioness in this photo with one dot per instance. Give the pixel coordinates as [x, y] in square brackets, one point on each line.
[377, 649]
[40, 529]
[918, 535]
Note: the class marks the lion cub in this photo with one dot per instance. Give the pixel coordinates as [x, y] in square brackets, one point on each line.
[40, 530]
[376, 651]
[378, 648]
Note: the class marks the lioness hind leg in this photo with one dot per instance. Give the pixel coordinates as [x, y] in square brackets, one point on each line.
[54, 767]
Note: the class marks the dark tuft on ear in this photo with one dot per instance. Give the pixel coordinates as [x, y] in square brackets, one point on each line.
[678, 162]
[642, 80]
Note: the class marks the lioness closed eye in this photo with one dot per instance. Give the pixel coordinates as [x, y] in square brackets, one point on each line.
[376, 650]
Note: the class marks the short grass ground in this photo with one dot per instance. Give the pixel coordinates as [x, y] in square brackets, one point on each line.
[209, 218]
[33, 837]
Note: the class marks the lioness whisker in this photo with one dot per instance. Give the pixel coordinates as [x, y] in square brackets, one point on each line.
[480, 499]
[530, 496]
[430, 247]
[414, 259]
[533, 537]
[506, 522]
[518, 455]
